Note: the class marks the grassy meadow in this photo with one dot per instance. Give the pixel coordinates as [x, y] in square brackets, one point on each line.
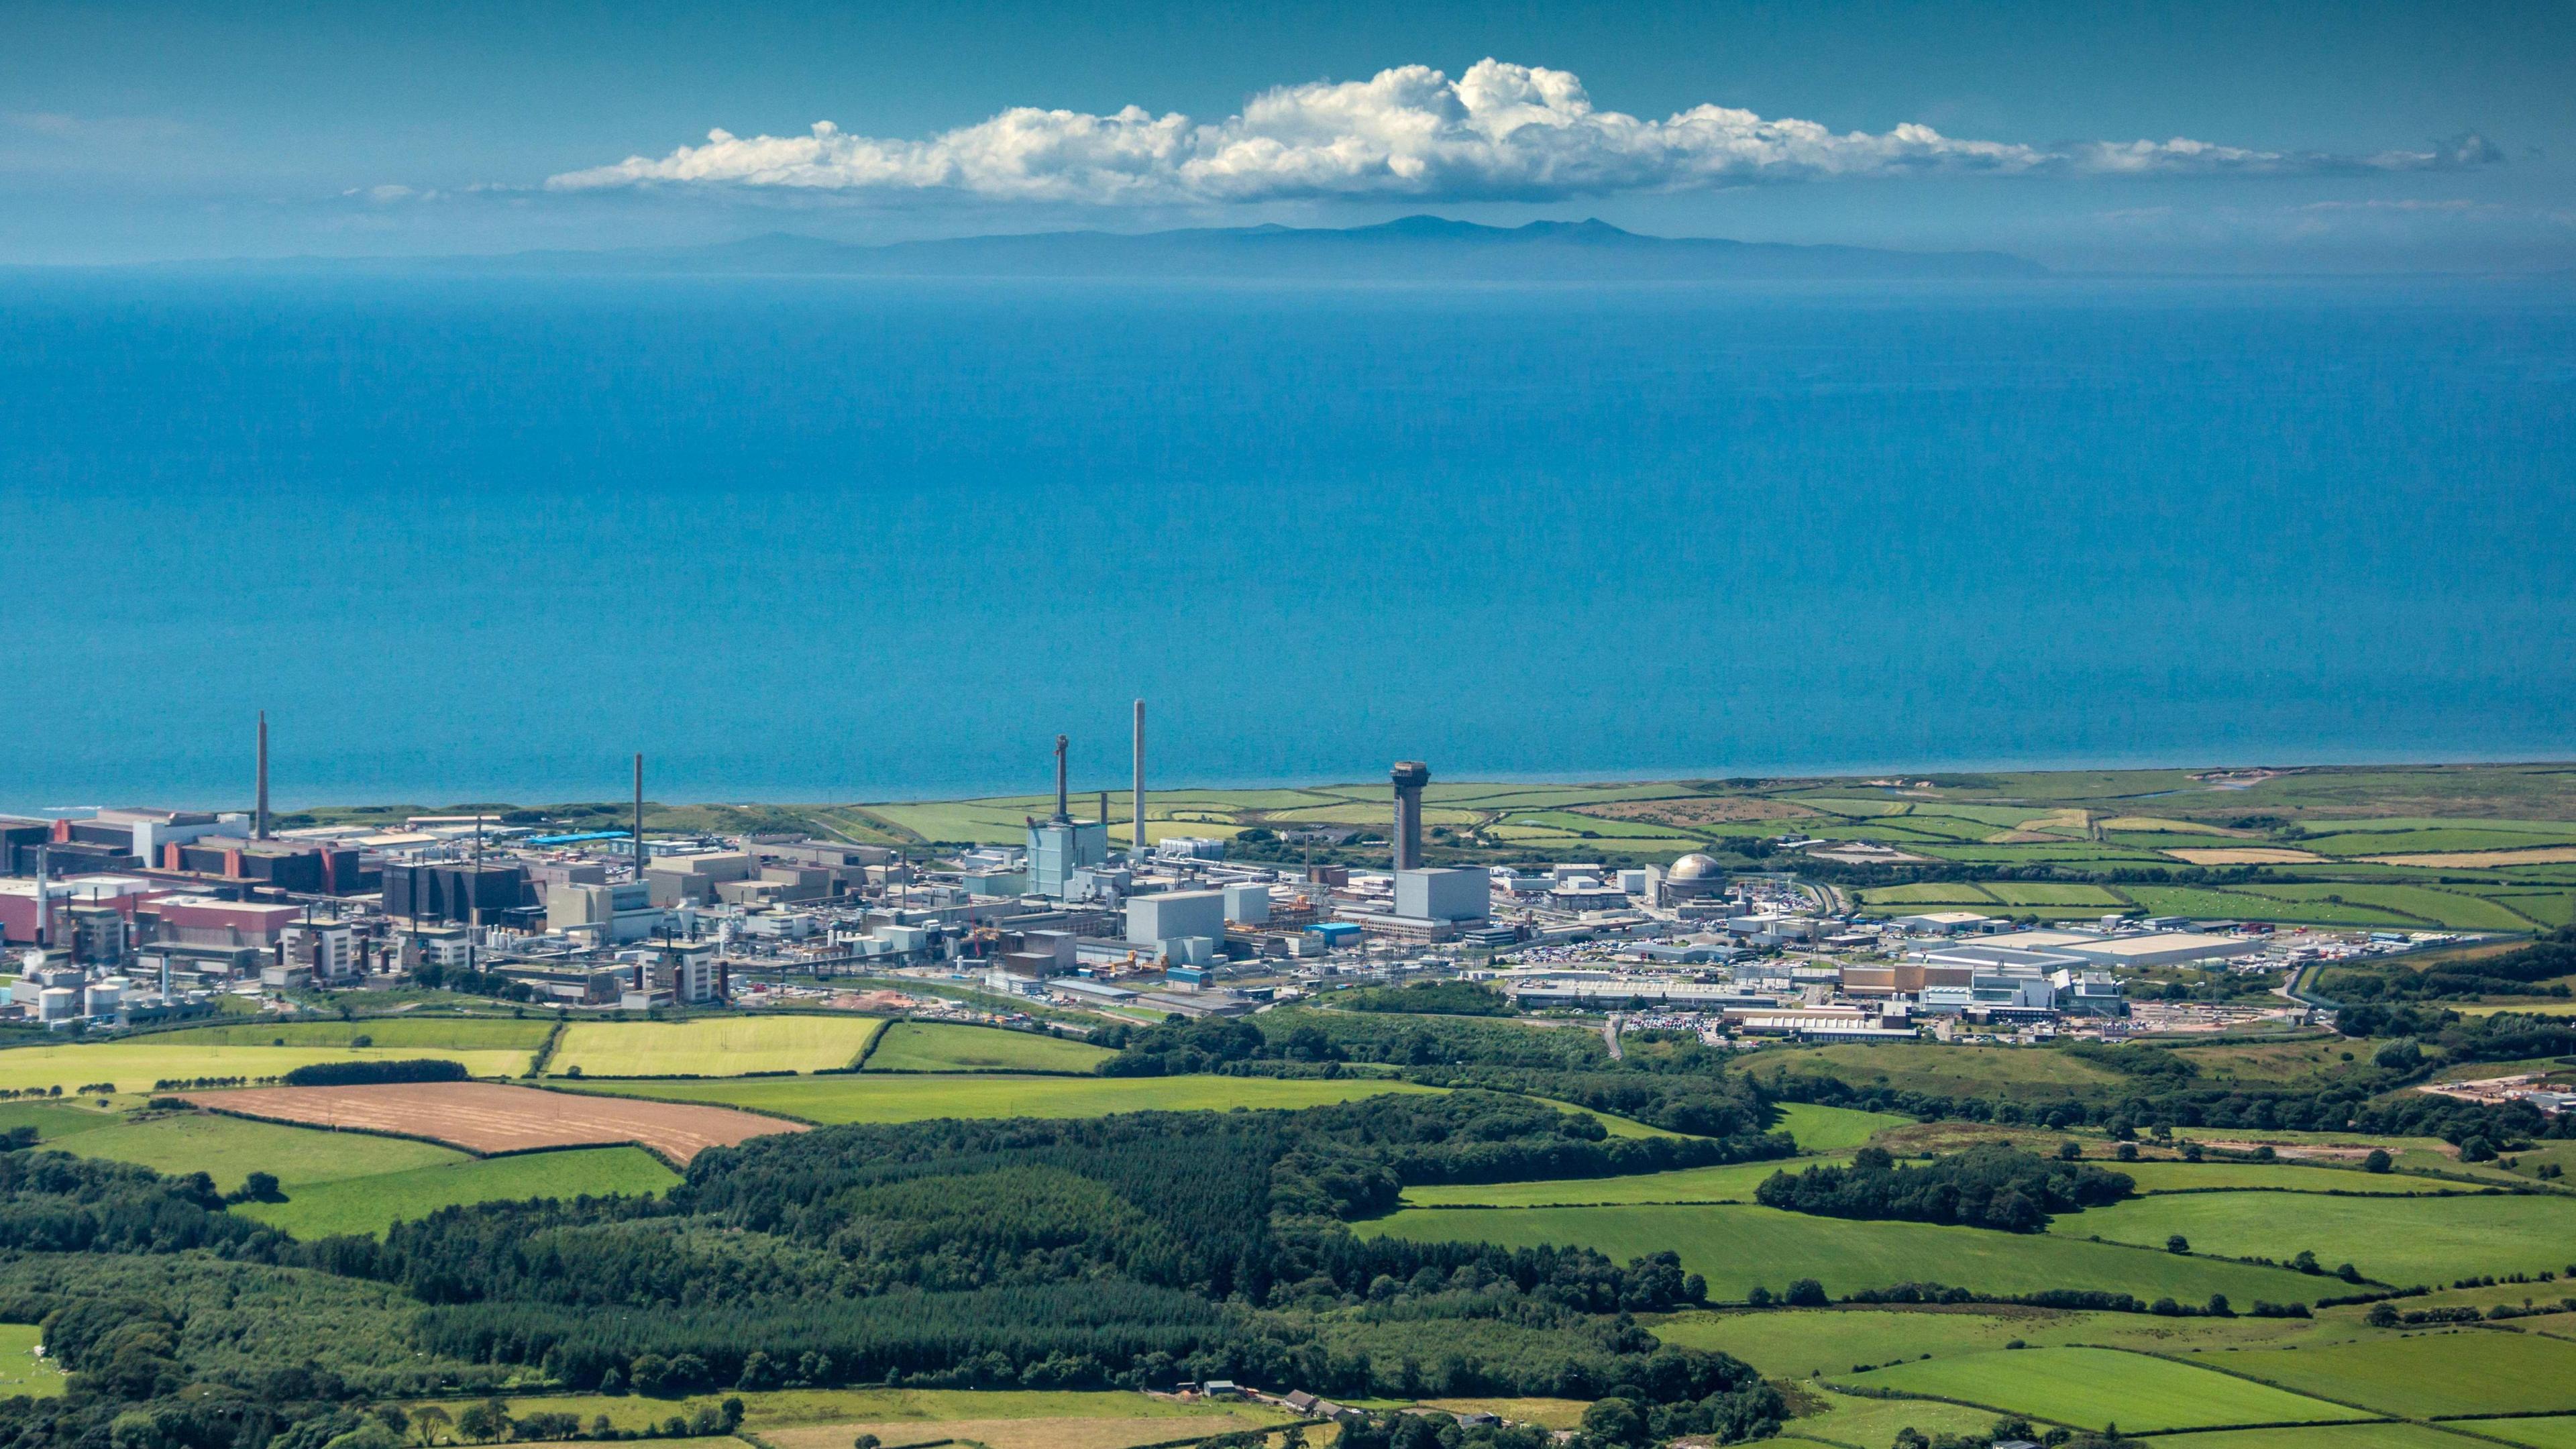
[2398, 1240]
[723, 1046]
[367, 1204]
[134, 1065]
[21, 1372]
[935, 1046]
[911, 1414]
[2095, 1388]
[2425, 1373]
[1728, 1182]
[1738, 1247]
[890, 1097]
[1801, 1343]
[446, 1033]
[1832, 1129]
[229, 1148]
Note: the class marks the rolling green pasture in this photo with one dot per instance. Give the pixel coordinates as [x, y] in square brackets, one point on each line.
[1929, 893]
[457, 1033]
[2377, 1434]
[21, 1372]
[65, 1118]
[1792, 1342]
[2028, 893]
[135, 1065]
[894, 1098]
[2400, 1240]
[230, 1148]
[1935, 1068]
[2094, 1387]
[1831, 1129]
[2282, 1176]
[933, 1046]
[2551, 1433]
[2425, 1374]
[712, 1046]
[798, 1408]
[1849, 1421]
[1730, 1182]
[368, 1204]
[1736, 1248]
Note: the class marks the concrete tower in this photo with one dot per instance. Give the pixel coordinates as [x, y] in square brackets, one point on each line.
[1409, 777]
[639, 817]
[1136, 851]
[1063, 806]
[259, 814]
[1060, 845]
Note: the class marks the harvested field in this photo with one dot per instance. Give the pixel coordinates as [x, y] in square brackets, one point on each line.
[2244, 855]
[487, 1117]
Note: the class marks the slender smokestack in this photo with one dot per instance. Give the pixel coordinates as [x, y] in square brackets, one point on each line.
[1138, 852]
[44, 897]
[1061, 812]
[1104, 812]
[639, 817]
[259, 817]
[1409, 777]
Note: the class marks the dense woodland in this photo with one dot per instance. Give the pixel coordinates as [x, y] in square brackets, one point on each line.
[1131, 1251]
[1987, 1186]
[2520, 972]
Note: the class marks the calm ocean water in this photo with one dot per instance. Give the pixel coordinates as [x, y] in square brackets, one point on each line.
[833, 540]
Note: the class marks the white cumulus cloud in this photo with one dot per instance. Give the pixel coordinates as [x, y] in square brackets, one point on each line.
[1496, 132]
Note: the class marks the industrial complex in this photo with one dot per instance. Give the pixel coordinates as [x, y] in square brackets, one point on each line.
[129, 916]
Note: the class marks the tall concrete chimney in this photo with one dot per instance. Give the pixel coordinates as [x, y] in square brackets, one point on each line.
[1063, 810]
[1409, 777]
[1137, 853]
[44, 897]
[639, 817]
[259, 814]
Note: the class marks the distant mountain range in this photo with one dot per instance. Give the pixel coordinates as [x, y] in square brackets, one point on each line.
[1416, 248]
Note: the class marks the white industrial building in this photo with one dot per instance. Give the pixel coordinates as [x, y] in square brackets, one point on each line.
[1161, 920]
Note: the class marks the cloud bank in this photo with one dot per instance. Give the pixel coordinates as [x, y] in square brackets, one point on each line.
[1499, 132]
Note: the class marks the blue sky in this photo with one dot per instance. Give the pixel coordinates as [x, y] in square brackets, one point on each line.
[2324, 137]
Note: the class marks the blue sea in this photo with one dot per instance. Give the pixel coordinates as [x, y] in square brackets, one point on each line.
[482, 537]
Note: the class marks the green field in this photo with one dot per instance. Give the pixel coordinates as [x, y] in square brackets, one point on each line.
[368, 1204]
[228, 1148]
[2284, 1176]
[1849, 1421]
[1732, 1182]
[458, 1033]
[1793, 1342]
[2426, 1374]
[66, 1118]
[2090, 1388]
[727, 1046]
[21, 1372]
[134, 1066]
[797, 1408]
[933, 1046]
[2553, 1433]
[2402, 1240]
[1736, 1248]
[2380, 1434]
[893, 1098]
[2026, 893]
[1832, 1129]
[1931, 1067]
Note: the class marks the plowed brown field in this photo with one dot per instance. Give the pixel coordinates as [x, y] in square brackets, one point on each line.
[488, 1117]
